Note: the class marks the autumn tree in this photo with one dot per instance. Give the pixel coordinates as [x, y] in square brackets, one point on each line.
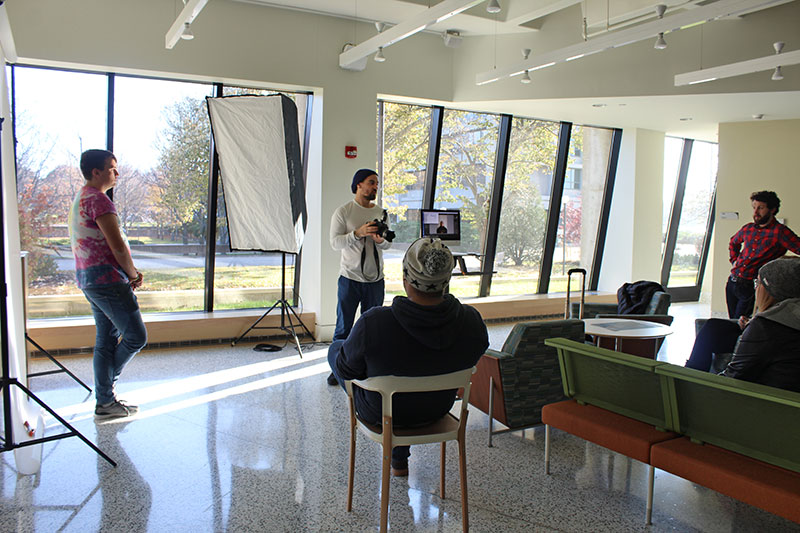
[181, 177]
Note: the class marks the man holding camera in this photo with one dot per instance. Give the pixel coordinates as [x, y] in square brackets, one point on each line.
[354, 232]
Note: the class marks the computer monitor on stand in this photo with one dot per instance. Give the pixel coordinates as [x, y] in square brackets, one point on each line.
[444, 224]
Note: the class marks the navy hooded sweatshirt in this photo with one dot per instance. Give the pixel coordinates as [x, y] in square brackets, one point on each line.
[408, 339]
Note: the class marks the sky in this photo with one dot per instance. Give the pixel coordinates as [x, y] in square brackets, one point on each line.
[69, 112]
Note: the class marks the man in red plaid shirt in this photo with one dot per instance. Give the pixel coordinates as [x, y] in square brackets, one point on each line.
[753, 246]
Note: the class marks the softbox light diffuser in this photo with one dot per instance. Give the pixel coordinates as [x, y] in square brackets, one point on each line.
[256, 139]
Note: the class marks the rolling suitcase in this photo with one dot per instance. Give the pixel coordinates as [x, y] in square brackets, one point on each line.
[582, 272]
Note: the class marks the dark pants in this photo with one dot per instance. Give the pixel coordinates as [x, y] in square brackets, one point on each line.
[740, 296]
[717, 336]
[351, 294]
[400, 454]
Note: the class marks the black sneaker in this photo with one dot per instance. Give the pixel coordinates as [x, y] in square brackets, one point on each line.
[332, 380]
[115, 409]
[400, 469]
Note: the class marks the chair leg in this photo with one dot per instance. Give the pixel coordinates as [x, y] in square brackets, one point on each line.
[441, 470]
[387, 461]
[462, 468]
[351, 470]
[547, 449]
[491, 408]
[648, 513]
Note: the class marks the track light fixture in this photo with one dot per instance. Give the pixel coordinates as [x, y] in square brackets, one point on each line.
[187, 34]
[526, 78]
[660, 42]
[777, 75]
[493, 6]
[379, 57]
[380, 26]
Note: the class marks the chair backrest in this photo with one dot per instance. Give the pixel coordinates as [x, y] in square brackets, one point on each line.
[621, 383]
[659, 303]
[749, 418]
[531, 378]
[387, 386]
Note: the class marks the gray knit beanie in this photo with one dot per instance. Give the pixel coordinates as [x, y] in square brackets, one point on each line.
[781, 278]
[428, 265]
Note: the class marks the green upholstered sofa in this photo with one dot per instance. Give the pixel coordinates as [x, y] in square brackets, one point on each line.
[739, 438]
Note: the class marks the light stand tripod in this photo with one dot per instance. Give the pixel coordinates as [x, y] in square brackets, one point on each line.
[7, 381]
[286, 314]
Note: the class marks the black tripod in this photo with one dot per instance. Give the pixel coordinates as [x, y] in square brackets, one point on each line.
[286, 314]
[8, 382]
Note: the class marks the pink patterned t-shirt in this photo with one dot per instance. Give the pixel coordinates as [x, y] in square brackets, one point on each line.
[95, 264]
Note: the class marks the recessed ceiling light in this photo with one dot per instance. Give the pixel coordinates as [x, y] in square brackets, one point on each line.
[685, 119]
[599, 105]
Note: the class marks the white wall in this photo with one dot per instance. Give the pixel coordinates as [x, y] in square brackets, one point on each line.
[633, 243]
[753, 156]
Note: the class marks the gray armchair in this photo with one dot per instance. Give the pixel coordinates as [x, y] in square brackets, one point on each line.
[513, 385]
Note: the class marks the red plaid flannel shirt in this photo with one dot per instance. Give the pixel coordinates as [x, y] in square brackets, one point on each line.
[754, 246]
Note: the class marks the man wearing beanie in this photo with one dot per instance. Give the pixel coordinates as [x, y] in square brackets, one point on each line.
[752, 247]
[354, 234]
[424, 333]
[768, 351]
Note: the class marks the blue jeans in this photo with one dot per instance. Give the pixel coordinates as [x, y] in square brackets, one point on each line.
[352, 294]
[120, 335]
[400, 454]
[717, 336]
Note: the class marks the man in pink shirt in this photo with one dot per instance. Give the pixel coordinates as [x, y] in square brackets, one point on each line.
[107, 276]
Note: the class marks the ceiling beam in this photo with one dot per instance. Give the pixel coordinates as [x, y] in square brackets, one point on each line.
[407, 28]
[738, 69]
[647, 30]
[191, 9]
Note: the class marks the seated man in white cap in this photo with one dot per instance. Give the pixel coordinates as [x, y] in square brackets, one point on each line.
[426, 333]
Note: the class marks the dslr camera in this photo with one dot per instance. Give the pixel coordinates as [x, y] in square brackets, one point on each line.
[383, 227]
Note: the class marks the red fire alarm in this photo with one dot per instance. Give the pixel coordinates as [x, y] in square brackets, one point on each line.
[350, 152]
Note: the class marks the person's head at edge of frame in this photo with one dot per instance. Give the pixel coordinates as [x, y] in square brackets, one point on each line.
[365, 186]
[427, 267]
[766, 205]
[779, 280]
[99, 168]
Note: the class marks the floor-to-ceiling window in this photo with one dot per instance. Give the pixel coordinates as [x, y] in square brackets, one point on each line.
[464, 182]
[581, 203]
[58, 115]
[161, 140]
[159, 131]
[692, 175]
[526, 196]
[403, 142]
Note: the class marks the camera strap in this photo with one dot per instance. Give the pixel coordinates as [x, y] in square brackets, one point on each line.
[364, 258]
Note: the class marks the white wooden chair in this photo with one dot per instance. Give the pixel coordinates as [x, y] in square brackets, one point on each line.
[446, 428]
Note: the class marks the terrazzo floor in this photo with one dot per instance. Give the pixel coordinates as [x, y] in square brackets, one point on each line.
[230, 439]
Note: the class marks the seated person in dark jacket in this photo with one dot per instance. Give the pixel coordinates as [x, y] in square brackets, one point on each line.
[768, 351]
[427, 333]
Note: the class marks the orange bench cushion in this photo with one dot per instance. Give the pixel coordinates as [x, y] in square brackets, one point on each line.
[755, 482]
[616, 432]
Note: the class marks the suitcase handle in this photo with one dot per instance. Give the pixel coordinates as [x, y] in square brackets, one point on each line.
[570, 272]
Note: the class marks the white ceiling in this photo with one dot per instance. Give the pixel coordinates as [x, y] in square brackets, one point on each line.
[660, 113]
